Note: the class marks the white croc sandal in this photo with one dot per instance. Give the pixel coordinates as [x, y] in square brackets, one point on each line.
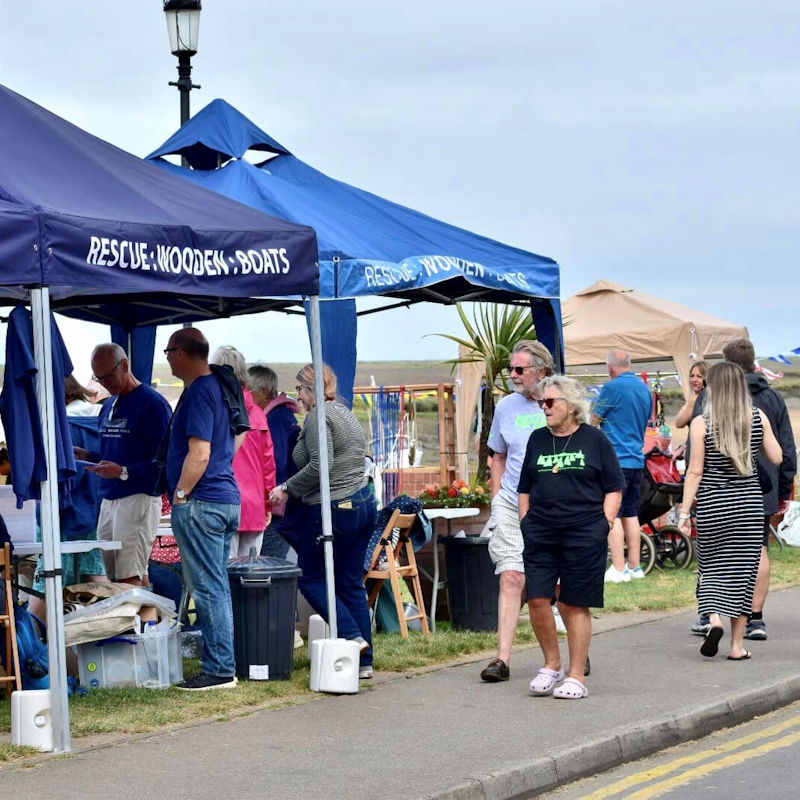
[545, 681]
[571, 689]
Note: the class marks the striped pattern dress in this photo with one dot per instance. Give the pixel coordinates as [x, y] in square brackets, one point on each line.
[730, 530]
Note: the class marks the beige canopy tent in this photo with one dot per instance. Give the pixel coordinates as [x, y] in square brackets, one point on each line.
[607, 316]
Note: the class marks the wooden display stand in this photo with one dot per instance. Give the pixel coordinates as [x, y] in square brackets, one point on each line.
[414, 479]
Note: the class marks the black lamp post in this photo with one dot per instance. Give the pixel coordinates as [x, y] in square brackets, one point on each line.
[183, 26]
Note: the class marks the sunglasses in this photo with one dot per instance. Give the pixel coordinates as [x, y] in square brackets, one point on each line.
[518, 370]
[548, 402]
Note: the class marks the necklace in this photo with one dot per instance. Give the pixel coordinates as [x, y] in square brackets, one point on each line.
[556, 468]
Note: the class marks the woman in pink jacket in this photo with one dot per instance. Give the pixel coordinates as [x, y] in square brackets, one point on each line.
[253, 464]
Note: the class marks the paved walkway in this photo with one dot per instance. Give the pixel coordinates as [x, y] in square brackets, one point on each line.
[445, 734]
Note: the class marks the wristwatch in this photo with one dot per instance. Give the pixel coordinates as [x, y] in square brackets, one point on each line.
[180, 494]
[123, 476]
[284, 488]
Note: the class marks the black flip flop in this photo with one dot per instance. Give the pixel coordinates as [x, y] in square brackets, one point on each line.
[747, 654]
[710, 645]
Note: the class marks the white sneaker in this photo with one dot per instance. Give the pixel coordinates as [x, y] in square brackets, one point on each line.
[298, 640]
[560, 626]
[613, 575]
[637, 573]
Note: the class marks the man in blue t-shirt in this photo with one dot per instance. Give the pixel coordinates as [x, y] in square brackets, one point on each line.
[206, 502]
[132, 424]
[623, 410]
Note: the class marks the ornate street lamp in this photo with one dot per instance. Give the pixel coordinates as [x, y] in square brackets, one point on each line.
[183, 26]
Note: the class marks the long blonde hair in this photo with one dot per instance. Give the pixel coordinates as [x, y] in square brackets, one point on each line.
[729, 414]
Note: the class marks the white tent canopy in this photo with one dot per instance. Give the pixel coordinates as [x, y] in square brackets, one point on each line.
[607, 316]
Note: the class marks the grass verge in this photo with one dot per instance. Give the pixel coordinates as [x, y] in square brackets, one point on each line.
[117, 711]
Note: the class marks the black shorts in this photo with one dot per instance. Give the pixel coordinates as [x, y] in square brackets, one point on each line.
[767, 531]
[575, 556]
[631, 492]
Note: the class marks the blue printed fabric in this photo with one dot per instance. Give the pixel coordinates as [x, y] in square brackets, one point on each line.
[420, 533]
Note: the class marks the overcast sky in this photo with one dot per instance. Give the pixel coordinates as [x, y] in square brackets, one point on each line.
[652, 144]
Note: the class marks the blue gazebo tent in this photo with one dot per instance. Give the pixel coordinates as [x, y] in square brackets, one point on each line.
[368, 245]
[101, 235]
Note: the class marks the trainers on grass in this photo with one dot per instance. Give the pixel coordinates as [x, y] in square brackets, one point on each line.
[203, 682]
[637, 573]
[613, 575]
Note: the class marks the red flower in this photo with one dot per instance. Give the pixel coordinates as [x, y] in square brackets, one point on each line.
[452, 492]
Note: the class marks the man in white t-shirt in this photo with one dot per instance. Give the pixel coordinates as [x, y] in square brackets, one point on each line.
[515, 418]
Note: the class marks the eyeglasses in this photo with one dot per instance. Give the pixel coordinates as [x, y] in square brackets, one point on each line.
[101, 378]
[518, 370]
[300, 388]
[548, 402]
[168, 350]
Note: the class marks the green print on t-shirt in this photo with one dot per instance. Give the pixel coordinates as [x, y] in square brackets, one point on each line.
[532, 421]
[573, 460]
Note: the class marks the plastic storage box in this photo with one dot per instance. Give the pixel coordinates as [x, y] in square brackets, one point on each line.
[472, 586]
[151, 660]
[264, 599]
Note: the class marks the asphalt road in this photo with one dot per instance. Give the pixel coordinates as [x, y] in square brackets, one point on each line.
[759, 759]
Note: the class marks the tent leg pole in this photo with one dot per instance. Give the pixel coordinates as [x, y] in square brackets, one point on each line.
[51, 528]
[324, 476]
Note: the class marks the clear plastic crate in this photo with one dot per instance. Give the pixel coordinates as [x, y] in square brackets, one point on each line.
[151, 660]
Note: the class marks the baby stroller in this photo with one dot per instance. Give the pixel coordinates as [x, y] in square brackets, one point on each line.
[662, 487]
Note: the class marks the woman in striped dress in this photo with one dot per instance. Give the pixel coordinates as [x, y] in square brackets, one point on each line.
[730, 506]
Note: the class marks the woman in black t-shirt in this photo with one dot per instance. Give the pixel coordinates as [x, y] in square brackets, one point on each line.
[569, 495]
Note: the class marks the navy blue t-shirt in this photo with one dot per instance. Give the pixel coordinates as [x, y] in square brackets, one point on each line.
[131, 427]
[203, 414]
[568, 478]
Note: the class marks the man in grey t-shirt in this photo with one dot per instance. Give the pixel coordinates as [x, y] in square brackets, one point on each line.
[515, 418]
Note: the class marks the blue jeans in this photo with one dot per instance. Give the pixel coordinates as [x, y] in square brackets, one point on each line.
[204, 531]
[352, 528]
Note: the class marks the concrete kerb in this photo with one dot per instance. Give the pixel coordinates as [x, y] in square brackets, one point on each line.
[625, 744]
